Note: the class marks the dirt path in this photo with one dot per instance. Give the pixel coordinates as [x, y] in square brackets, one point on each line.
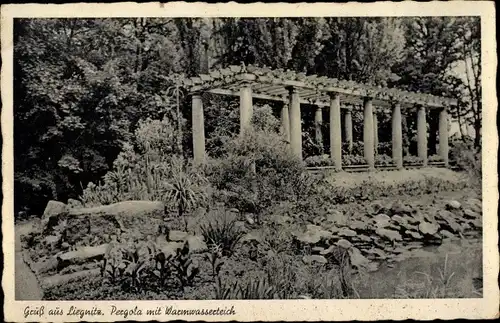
[26, 284]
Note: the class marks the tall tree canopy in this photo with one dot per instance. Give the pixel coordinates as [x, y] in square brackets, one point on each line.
[82, 85]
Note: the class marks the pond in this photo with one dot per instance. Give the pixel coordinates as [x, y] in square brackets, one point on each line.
[451, 270]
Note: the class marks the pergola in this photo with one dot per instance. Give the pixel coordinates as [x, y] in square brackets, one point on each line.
[294, 89]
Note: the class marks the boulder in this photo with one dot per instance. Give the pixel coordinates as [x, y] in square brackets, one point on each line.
[84, 254]
[170, 248]
[346, 232]
[428, 228]
[357, 258]
[54, 208]
[382, 220]
[446, 234]
[336, 217]
[358, 225]
[58, 280]
[375, 208]
[308, 237]
[310, 259]
[399, 208]
[453, 205]
[388, 234]
[249, 218]
[344, 244]
[125, 209]
[176, 235]
[469, 214]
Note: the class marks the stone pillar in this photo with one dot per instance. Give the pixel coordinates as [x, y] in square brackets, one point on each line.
[246, 108]
[397, 136]
[368, 141]
[295, 123]
[443, 135]
[348, 129]
[198, 129]
[285, 121]
[375, 132]
[422, 134]
[318, 123]
[335, 132]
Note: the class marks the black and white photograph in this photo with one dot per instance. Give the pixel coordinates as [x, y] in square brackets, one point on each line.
[248, 158]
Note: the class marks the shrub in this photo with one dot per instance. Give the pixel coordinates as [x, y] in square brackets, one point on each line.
[257, 170]
[320, 160]
[221, 232]
[383, 160]
[408, 159]
[349, 160]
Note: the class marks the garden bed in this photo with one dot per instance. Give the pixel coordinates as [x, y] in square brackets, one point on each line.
[285, 251]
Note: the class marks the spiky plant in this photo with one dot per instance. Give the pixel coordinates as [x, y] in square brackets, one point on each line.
[185, 191]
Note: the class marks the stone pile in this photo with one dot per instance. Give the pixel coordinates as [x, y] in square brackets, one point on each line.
[389, 233]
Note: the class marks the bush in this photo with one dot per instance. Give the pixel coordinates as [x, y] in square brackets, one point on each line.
[466, 158]
[258, 170]
[221, 232]
[317, 161]
[348, 160]
[140, 170]
[383, 160]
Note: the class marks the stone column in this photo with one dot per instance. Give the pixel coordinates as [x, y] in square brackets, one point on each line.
[348, 128]
[318, 123]
[443, 135]
[375, 132]
[246, 108]
[285, 121]
[198, 129]
[422, 134]
[368, 141]
[295, 123]
[335, 132]
[397, 136]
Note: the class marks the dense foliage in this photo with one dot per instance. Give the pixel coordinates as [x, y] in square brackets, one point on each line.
[83, 85]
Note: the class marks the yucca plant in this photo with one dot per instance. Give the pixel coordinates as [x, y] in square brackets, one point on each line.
[185, 191]
[222, 233]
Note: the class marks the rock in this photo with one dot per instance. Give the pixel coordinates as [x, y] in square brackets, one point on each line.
[475, 205]
[399, 208]
[468, 213]
[234, 210]
[478, 223]
[51, 240]
[446, 234]
[65, 246]
[358, 225]
[308, 237]
[196, 244]
[74, 204]
[428, 228]
[375, 208]
[54, 208]
[249, 218]
[309, 259]
[388, 234]
[364, 238]
[445, 215]
[58, 280]
[175, 235]
[344, 244]
[400, 220]
[453, 225]
[317, 250]
[357, 258]
[251, 236]
[453, 205]
[126, 209]
[346, 232]
[382, 220]
[84, 253]
[170, 248]
[336, 217]
[378, 252]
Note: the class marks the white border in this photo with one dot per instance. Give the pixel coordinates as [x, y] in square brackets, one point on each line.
[296, 310]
